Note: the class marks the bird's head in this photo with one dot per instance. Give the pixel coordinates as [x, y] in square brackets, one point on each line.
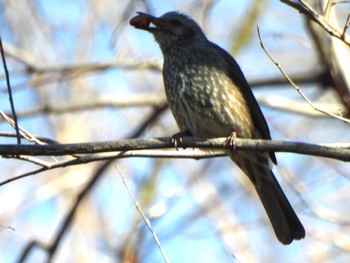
[172, 29]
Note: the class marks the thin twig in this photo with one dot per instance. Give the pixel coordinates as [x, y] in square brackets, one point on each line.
[298, 89]
[32, 160]
[145, 219]
[335, 151]
[23, 132]
[10, 92]
[40, 138]
[346, 26]
[21, 176]
[195, 154]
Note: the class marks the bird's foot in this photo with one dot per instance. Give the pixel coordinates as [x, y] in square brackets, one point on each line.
[176, 139]
[230, 141]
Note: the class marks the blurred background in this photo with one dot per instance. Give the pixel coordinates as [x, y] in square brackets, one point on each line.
[80, 73]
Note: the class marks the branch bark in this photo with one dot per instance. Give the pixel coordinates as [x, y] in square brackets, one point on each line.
[333, 151]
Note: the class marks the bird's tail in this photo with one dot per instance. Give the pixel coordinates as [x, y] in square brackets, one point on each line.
[284, 220]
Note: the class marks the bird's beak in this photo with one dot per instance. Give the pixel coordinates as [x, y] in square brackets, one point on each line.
[145, 21]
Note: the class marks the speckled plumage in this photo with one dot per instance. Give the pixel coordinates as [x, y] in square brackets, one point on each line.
[210, 97]
[196, 99]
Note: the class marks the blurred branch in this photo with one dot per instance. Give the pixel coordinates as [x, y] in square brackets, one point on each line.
[300, 107]
[33, 67]
[134, 64]
[137, 100]
[306, 78]
[333, 54]
[246, 29]
[88, 67]
[155, 100]
[97, 66]
[303, 7]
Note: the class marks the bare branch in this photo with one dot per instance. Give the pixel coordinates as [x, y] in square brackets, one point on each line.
[298, 88]
[7, 76]
[303, 7]
[145, 219]
[137, 100]
[41, 139]
[22, 132]
[299, 107]
[122, 147]
[92, 67]
[52, 247]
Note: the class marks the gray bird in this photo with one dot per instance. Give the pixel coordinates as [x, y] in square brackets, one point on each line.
[210, 97]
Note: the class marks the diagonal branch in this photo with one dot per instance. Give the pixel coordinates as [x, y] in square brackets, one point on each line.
[298, 89]
[303, 7]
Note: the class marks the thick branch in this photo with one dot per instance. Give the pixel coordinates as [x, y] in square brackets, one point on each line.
[329, 151]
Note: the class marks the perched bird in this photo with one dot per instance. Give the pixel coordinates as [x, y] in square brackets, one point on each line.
[210, 97]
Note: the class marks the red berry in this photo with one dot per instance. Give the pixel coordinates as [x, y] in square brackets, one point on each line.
[140, 21]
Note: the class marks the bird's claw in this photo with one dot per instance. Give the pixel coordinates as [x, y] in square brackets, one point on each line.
[177, 140]
[231, 141]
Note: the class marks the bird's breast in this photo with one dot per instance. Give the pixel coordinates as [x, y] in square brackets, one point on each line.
[205, 101]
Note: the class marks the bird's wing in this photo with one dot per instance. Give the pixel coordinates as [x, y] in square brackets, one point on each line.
[238, 78]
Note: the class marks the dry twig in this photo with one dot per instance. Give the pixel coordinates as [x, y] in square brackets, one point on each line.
[298, 89]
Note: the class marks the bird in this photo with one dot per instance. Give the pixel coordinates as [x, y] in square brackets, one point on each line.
[210, 97]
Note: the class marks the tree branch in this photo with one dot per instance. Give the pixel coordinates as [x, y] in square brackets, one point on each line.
[297, 88]
[7, 76]
[306, 9]
[333, 151]
[51, 248]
